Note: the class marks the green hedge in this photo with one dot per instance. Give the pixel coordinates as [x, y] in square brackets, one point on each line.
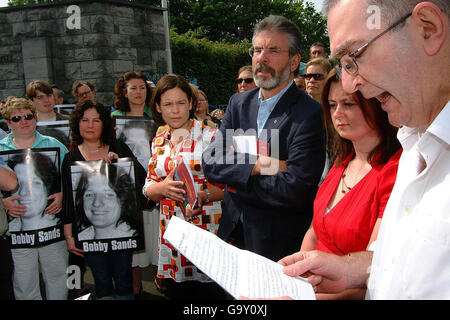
[213, 64]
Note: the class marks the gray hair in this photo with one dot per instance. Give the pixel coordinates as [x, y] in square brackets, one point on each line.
[283, 25]
[393, 9]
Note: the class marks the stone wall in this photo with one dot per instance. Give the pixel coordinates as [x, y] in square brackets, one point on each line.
[47, 42]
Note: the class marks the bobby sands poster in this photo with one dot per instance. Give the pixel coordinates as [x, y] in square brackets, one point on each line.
[39, 177]
[137, 133]
[107, 215]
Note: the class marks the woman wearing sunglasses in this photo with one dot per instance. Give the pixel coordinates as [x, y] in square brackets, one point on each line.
[316, 72]
[245, 79]
[20, 116]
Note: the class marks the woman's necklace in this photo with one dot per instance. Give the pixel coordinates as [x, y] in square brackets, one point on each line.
[92, 151]
[345, 187]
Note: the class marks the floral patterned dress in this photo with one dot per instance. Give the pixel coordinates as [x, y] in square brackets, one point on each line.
[171, 264]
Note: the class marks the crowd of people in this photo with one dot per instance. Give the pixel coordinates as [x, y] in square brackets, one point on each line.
[347, 186]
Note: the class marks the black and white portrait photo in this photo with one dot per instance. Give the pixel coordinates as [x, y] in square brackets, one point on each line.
[137, 133]
[107, 217]
[59, 130]
[65, 109]
[39, 177]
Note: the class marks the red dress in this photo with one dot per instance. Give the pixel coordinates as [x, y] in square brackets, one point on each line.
[347, 227]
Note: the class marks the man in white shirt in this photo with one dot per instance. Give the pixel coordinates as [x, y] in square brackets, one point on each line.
[405, 64]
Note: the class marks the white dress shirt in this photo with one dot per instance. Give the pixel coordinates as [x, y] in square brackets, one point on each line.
[412, 253]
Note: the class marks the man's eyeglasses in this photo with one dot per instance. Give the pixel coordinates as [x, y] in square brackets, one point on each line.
[28, 117]
[83, 94]
[246, 80]
[316, 76]
[348, 61]
[257, 51]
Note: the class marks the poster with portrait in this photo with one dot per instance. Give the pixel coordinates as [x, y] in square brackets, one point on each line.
[39, 177]
[137, 133]
[59, 130]
[107, 216]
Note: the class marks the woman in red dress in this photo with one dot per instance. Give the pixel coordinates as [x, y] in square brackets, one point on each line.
[350, 202]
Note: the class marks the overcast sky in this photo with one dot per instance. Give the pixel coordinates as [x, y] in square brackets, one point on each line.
[3, 3]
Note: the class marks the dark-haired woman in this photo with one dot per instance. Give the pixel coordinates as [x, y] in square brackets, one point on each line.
[133, 93]
[93, 138]
[172, 104]
[350, 202]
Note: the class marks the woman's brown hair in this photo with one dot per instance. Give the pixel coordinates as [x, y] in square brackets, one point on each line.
[339, 148]
[120, 88]
[166, 83]
[108, 135]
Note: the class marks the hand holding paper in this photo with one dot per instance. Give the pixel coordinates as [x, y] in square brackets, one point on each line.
[240, 272]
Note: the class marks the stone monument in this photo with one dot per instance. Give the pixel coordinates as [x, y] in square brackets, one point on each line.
[74, 40]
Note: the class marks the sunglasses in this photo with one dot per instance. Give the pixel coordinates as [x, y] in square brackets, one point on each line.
[246, 80]
[316, 76]
[28, 117]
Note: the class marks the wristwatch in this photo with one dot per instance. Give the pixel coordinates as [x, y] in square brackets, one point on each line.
[208, 195]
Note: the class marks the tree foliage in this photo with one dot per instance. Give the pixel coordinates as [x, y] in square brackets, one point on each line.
[233, 20]
[27, 2]
[213, 64]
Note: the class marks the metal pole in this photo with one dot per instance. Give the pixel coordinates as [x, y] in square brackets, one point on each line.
[164, 5]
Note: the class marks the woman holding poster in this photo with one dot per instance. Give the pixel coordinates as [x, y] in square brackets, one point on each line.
[171, 104]
[34, 206]
[93, 138]
[133, 93]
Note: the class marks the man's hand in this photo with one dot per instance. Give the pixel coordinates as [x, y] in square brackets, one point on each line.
[268, 166]
[326, 272]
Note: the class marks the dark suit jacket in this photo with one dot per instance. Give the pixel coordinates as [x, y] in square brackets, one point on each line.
[277, 210]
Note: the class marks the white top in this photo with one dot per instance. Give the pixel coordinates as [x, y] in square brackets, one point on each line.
[412, 253]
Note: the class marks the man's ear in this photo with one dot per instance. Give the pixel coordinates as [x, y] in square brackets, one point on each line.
[295, 62]
[432, 26]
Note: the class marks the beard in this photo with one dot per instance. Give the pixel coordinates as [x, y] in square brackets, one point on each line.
[275, 80]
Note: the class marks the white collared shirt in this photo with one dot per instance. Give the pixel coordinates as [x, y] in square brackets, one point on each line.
[412, 253]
